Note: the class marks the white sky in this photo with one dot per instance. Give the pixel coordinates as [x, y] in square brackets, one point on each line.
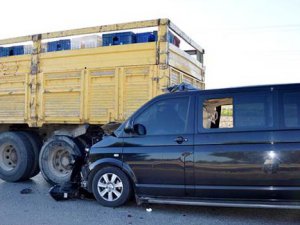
[247, 42]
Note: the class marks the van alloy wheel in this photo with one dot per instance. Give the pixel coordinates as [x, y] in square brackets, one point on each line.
[110, 187]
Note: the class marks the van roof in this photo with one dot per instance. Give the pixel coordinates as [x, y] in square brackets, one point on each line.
[243, 89]
[253, 88]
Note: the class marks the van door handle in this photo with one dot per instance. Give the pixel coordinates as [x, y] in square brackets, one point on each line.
[180, 140]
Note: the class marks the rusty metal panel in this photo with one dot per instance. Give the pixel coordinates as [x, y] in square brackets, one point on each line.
[15, 65]
[12, 99]
[174, 77]
[187, 79]
[61, 97]
[111, 56]
[102, 95]
[136, 87]
[177, 76]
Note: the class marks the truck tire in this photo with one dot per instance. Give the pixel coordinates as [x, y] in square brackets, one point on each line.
[111, 187]
[16, 157]
[56, 159]
[36, 144]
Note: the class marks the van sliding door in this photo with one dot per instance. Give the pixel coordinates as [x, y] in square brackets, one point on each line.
[235, 153]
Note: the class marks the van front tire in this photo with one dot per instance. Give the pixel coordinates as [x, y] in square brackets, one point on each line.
[111, 187]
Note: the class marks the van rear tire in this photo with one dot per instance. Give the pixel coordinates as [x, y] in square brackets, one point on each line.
[16, 157]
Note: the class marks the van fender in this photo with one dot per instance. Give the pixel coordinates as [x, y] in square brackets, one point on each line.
[101, 163]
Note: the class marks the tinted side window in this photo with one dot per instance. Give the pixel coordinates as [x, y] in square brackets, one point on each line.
[168, 116]
[244, 110]
[253, 110]
[291, 109]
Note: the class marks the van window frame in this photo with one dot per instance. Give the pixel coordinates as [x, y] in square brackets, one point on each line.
[232, 94]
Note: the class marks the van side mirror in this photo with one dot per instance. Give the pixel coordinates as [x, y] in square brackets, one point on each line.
[128, 127]
[139, 129]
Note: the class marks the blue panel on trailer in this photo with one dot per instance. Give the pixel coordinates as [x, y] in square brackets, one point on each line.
[64, 45]
[17, 50]
[52, 46]
[171, 37]
[146, 37]
[60, 45]
[3, 52]
[11, 51]
[118, 38]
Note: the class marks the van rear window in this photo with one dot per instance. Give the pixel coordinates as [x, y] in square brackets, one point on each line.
[247, 110]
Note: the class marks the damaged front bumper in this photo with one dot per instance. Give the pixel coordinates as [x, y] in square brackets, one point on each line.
[85, 171]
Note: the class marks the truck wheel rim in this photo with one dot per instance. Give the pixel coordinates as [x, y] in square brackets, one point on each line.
[60, 162]
[8, 157]
[110, 187]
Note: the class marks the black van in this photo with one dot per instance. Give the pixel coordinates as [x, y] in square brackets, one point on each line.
[227, 147]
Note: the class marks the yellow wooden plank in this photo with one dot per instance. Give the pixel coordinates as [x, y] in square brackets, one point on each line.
[71, 90]
[117, 93]
[179, 60]
[82, 93]
[12, 120]
[26, 99]
[121, 79]
[150, 83]
[163, 43]
[86, 95]
[68, 120]
[41, 102]
[111, 56]
[11, 93]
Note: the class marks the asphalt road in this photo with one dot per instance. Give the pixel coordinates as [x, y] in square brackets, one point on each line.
[38, 208]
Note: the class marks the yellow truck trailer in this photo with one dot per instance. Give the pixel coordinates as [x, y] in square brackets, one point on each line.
[54, 104]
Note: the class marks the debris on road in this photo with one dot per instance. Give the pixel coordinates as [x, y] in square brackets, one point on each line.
[26, 191]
